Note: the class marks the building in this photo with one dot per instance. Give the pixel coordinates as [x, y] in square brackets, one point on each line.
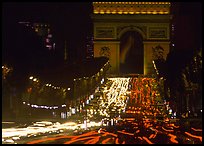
[89, 47]
[44, 31]
[128, 32]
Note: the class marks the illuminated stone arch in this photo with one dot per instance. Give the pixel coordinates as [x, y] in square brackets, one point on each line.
[112, 20]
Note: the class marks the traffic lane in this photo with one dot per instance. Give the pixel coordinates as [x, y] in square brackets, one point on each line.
[119, 134]
[90, 137]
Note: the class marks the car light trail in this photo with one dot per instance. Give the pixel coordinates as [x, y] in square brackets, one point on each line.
[11, 134]
[147, 140]
[115, 95]
[194, 136]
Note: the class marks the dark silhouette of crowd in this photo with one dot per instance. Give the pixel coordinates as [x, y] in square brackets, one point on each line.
[183, 83]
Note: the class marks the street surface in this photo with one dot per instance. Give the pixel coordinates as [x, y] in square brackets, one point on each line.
[122, 111]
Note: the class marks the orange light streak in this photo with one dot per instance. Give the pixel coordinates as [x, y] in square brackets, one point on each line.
[200, 130]
[194, 136]
[108, 133]
[48, 139]
[137, 131]
[147, 140]
[106, 140]
[93, 141]
[176, 126]
[85, 134]
[167, 130]
[132, 134]
[130, 119]
[116, 141]
[140, 138]
[151, 136]
[81, 139]
[173, 138]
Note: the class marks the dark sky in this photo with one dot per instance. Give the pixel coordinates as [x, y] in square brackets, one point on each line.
[69, 21]
[188, 22]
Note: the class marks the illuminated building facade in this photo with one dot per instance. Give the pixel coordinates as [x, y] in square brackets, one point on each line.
[128, 33]
[43, 30]
[89, 47]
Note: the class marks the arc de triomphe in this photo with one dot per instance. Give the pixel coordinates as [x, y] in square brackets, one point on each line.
[128, 33]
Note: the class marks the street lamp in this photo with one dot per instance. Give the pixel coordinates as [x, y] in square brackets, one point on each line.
[31, 77]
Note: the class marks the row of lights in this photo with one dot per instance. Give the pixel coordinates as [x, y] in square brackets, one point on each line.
[155, 67]
[48, 85]
[94, 74]
[43, 106]
[6, 68]
[130, 12]
[33, 79]
[131, 3]
[54, 87]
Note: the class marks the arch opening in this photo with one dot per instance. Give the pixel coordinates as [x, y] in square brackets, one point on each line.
[131, 53]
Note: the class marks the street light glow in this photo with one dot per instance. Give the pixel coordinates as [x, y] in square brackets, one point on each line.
[31, 77]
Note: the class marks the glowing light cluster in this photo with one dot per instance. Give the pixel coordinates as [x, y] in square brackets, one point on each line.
[5, 71]
[144, 91]
[131, 7]
[34, 79]
[115, 96]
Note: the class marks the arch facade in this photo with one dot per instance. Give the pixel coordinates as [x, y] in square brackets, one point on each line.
[110, 26]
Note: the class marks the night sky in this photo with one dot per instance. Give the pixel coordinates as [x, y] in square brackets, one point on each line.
[188, 22]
